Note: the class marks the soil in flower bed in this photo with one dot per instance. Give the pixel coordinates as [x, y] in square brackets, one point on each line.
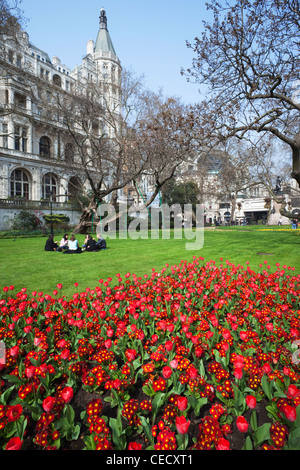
[196, 357]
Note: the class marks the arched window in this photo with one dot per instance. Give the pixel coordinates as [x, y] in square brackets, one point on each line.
[57, 80]
[45, 146]
[74, 188]
[49, 187]
[20, 184]
[69, 153]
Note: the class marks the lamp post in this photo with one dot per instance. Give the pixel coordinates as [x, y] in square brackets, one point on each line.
[51, 222]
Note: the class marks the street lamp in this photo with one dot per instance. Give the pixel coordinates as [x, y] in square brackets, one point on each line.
[51, 222]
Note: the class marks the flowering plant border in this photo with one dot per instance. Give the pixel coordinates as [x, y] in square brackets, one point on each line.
[188, 358]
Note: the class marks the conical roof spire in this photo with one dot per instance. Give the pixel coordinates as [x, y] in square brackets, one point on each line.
[103, 41]
[103, 19]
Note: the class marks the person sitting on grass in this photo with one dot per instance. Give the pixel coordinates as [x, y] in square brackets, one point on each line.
[101, 243]
[85, 242]
[91, 244]
[51, 245]
[64, 242]
[73, 246]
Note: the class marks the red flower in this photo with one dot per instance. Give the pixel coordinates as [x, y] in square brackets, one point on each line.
[243, 335]
[290, 412]
[167, 372]
[67, 394]
[134, 446]
[48, 403]
[14, 443]
[293, 391]
[251, 401]
[65, 354]
[223, 444]
[169, 345]
[182, 424]
[14, 412]
[14, 351]
[266, 368]
[181, 403]
[131, 354]
[238, 373]
[242, 424]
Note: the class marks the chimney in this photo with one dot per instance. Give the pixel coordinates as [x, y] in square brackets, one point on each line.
[90, 47]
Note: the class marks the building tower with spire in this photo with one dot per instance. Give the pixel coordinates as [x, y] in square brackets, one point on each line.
[101, 64]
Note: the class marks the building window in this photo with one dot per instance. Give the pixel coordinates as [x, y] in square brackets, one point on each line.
[19, 60]
[57, 80]
[69, 153]
[19, 184]
[49, 187]
[20, 138]
[45, 147]
[5, 135]
[10, 56]
[20, 100]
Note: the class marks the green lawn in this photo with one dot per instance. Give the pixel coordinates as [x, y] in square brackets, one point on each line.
[24, 263]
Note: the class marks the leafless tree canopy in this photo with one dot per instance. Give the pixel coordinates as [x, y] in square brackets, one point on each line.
[248, 56]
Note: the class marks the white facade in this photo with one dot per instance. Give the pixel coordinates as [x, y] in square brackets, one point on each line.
[36, 157]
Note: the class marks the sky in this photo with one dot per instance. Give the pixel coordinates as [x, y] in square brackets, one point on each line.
[149, 36]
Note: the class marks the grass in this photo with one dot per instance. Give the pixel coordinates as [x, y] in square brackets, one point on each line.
[24, 263]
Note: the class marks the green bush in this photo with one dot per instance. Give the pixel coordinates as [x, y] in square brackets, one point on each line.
[26, 221]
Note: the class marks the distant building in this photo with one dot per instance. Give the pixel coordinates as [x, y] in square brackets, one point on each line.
[251, 205]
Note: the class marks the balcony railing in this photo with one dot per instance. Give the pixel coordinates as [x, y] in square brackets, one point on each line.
[40, 205]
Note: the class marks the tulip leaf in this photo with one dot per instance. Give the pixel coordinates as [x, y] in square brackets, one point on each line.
[261, 434]
[266, 386]
[248, 444]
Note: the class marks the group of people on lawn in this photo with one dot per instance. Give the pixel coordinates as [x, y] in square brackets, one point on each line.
[71, 245]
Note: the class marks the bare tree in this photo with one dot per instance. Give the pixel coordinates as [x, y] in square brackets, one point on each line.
[120, 140]
[248, 56]
[166, 138]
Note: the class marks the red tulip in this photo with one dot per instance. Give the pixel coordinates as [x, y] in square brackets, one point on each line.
[65, 354]
[134, 446]
[67, 394]
[167, 372]
[182, 403]
[251, 401]
[243, 335]
[131, 354]
[14, 412]
[169, 345]
[14, 443]
[290, 412]
[266, 368]
[222, 444]
[14, 351]
[238, 373]
[48, 403]
[182, 424]
[293, 391]
[242, 424]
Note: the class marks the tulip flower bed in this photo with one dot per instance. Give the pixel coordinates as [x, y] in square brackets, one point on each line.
[194, 357]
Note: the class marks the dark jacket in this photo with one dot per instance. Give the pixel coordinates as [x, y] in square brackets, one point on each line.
[50, 245]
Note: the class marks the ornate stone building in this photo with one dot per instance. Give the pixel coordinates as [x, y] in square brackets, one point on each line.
[37, 164]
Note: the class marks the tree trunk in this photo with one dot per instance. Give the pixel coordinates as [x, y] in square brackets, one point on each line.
[296, 164]
[85, 222]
